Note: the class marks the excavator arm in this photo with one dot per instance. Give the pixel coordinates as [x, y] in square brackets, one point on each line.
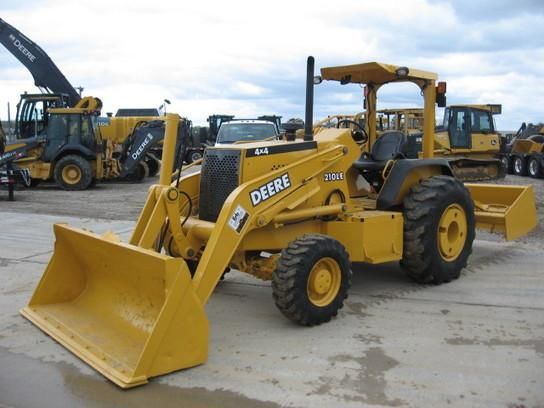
[47, 76]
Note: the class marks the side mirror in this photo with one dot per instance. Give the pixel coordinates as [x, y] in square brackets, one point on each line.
[441, 100]
[441, 94]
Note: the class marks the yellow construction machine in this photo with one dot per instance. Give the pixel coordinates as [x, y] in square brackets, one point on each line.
[62, 144]
[298, 212]
[408, 120]
[524, 154]
[469, 140]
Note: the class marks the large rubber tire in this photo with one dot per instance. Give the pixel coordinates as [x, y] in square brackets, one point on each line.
[73, 172]
[140, 172]
[312, 279]
[519, 166]
[153, 165]
[507, 163]
[439, 229]
[534, 169]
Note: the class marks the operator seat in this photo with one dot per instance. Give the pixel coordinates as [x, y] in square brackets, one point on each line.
[388, 146]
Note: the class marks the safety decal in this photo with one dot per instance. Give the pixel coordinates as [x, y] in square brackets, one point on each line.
[238, 219]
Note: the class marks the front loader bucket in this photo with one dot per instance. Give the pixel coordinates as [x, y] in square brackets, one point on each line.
[129, 312]
[509, 210]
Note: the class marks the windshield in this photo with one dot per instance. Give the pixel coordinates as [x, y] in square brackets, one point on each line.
[234, 132]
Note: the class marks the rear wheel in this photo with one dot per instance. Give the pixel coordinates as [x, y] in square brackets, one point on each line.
[73, 172]
[311, 279]
[139, 173]
[519, 167]
[153, 165]
[438, 230]
[534, 168]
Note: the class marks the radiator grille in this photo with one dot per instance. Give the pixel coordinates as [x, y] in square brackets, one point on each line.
[219, 177]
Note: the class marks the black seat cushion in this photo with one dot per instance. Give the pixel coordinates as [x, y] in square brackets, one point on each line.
[387, 147]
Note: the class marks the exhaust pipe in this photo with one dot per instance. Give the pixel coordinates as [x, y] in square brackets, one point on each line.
[308, 129]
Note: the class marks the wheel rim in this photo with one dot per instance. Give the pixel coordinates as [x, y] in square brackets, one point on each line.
[452, 232]
[71, 174]
[532, 167]
[517, 165]
[324, 282]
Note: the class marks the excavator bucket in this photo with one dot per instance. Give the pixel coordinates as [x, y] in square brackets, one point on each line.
[508, 210]
[130, 313]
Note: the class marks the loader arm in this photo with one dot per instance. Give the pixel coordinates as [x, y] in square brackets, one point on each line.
[236, 219]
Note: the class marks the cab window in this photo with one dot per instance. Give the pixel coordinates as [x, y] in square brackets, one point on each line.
[33, 121]
[481, 122]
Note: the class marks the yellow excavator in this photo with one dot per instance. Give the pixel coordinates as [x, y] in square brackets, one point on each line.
[295, 211]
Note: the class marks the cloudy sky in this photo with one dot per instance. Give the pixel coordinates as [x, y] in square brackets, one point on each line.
[248, 58]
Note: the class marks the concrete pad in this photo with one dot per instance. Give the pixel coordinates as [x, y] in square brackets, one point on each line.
[478, 341]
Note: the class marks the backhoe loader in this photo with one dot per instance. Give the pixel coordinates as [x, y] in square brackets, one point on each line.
[40, 134]
[297, 212]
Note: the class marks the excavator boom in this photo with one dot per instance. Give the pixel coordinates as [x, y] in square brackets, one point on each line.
[46, 74]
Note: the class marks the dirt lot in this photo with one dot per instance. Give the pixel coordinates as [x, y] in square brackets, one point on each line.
[123, 201]
[477, 341]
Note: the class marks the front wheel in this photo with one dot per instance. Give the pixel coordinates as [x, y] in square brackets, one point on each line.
[506, 164]
[439, 228]
[73, 172]
[311, 279]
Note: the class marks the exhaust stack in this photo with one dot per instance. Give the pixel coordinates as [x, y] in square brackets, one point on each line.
[308, 129]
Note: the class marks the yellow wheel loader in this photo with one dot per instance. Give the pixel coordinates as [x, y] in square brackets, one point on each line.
[297, 212]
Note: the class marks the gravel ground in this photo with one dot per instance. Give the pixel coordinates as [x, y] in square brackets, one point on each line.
[123, 201]
[107, 200]
[475, 342]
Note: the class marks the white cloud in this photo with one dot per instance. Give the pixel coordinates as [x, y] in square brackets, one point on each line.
[248, 58]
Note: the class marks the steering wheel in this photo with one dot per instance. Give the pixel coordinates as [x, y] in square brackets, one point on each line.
[359, 135]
